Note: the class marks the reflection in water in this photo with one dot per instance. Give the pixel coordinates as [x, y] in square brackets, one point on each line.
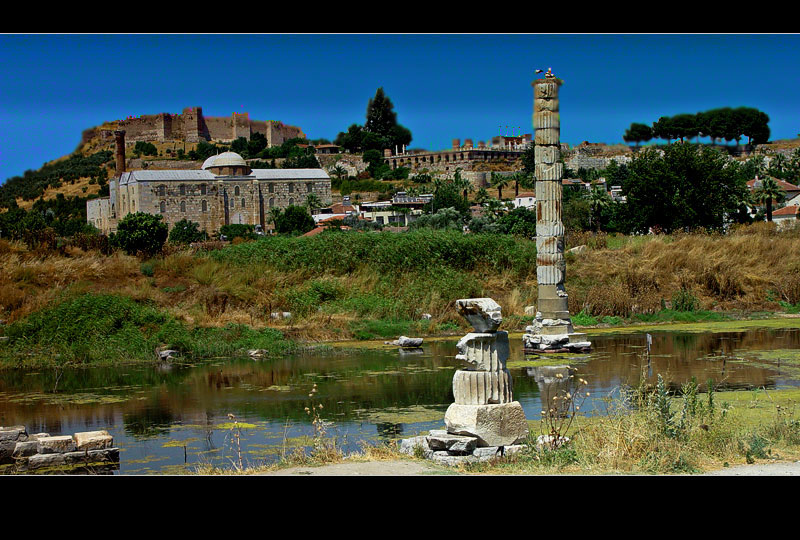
[161, 418]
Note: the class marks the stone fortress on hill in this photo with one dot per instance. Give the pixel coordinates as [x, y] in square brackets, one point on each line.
[192, 126]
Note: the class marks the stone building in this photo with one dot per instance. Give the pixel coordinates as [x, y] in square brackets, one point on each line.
[225, 190]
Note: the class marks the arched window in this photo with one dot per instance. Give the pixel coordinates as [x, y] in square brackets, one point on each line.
[272, 188]
[291, 188]
[271, 202]
[291, 202]
[236, 191]
[182, 189]
[202, 189]
[162, 191]
[183, 206]
[163, 207]
[243, 202]
[204, 206]
[233, 202]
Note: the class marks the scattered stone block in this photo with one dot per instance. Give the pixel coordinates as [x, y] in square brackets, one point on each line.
[13, 433]
[56, 445]
[444, 457]
[25, 449]
[441, 440]
[93, 440]
[410, 446]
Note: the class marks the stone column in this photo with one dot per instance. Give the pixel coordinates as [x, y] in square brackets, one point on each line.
[552, 330]
[484, 406]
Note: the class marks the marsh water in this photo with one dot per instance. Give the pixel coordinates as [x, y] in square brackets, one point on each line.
[173, 417]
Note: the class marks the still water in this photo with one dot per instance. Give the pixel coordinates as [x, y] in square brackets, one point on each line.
[170, 418]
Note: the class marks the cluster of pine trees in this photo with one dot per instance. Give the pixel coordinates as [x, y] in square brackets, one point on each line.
[726, 123]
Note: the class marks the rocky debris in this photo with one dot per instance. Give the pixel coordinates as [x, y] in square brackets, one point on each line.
[484, 314]
[29, 452]
[530, 311]
[406, 342]
[446, 449]
[280, 314]
[257, 353]
[167, 354]
[427, 316]
[577, 250]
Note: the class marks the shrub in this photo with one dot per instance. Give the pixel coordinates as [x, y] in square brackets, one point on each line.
[186, 232]
[141, 234]
[238, 230]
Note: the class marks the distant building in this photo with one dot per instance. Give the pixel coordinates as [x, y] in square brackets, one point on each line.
[224, 191]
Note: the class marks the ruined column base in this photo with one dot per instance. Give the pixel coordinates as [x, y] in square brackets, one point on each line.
[502, 424]
[554, 335]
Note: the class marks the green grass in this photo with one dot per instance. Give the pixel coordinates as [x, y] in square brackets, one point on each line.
[92, 329]
[413, 251]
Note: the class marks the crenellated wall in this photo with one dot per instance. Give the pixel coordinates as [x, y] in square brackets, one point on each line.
[192, 126]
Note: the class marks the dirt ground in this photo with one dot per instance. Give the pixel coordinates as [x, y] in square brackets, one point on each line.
[418, 468]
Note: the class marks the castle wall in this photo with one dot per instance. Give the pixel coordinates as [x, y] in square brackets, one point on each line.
[193, 127]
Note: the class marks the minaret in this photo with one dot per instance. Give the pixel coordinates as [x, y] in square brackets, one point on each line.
[552, 329]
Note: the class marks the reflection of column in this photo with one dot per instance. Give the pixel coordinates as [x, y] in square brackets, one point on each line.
[552, 329]
[553, 381]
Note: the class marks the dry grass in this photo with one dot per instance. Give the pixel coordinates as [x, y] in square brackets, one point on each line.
[738, 271]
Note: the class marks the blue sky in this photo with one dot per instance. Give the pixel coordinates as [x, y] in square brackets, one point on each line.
[446, 86]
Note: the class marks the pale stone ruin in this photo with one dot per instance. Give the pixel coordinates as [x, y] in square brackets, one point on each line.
[552, 329]
[484, 421]
[30, 452]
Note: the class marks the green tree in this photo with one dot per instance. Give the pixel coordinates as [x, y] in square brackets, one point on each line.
[598, 201]
[685, 186]
[638, 133]
[141, 234]
[313, 202]
[186, 232]
[499, 181]
[767, 193]
[293, 220]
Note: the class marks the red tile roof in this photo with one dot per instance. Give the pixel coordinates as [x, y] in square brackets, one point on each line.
[784, 185]
[791, 210]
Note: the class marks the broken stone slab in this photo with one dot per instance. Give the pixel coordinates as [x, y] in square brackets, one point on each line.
[484, 314]
[168, 354]
[411, 446]
[280, 314]
[13, 433]
[490, 452]
[427, 316]
[439, 439]
[494, 425]
[56, 445]
[25, 449]
[93, 440]
[443, 457]
[530, 310]
[73, 458]
[407, 342]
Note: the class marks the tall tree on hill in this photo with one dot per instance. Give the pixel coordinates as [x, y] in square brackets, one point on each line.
[380, 131]
[638, 133]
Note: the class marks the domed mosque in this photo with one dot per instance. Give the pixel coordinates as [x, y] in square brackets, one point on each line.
[225, 190]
